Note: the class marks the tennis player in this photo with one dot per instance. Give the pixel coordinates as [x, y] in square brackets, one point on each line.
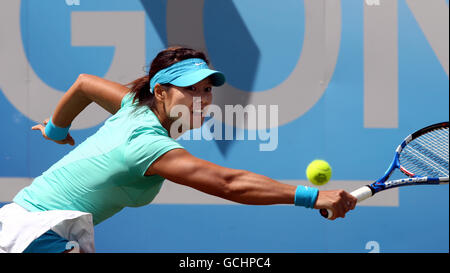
[126, 161]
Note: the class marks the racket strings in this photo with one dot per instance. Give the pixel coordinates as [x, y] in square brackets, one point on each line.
[440, 140]
[438, 144]
[422, 162]
[427, 155]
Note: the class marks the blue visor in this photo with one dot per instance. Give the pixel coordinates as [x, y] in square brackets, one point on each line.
[186, 73]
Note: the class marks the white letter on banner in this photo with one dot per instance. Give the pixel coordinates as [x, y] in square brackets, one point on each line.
[381, 65]
[307, 82]
[21, 85]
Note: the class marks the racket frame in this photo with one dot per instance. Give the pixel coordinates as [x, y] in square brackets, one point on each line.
[412, 179]
[381, 184]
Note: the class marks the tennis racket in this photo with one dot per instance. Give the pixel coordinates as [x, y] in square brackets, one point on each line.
[422, 156]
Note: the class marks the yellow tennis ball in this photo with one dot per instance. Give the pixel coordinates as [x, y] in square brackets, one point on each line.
[318, 172]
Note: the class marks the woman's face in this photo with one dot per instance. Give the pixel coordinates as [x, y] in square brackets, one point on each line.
[189, 102]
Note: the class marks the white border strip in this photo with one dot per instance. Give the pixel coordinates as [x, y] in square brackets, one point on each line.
[172, 193]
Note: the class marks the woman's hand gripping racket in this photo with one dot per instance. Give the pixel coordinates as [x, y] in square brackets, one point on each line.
[422, 156]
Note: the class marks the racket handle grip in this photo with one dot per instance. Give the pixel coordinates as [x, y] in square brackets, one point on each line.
[361, 194]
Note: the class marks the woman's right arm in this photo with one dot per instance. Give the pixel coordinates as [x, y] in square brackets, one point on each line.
[85, 90]
[240, 186]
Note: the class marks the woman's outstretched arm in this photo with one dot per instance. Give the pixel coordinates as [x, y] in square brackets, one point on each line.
[240, 186]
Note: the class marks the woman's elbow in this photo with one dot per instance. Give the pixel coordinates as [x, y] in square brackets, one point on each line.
[82, 79]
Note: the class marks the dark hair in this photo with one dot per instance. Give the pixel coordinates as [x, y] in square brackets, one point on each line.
[141, 87]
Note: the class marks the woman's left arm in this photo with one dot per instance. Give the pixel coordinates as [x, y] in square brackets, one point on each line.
[85, 90]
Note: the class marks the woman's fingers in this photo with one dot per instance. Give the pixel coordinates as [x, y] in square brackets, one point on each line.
[37, 127]
[41, 128]
[341, 203]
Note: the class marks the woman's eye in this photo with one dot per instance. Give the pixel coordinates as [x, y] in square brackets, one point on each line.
[194, 89]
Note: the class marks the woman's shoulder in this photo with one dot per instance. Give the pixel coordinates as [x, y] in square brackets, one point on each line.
[127, 100]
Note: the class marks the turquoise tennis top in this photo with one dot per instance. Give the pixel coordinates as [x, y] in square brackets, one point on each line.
[105, 173]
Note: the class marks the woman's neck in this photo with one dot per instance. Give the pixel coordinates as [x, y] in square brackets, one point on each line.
[162, 117]
[166, 121]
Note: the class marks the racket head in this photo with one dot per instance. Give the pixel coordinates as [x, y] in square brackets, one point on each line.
[423, 156]
[417, 156]
[425, 152]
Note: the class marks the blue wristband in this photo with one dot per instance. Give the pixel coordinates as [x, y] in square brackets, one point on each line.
[306, 196]
[54, 132]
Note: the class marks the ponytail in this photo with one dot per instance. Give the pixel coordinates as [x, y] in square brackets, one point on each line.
[141, 89]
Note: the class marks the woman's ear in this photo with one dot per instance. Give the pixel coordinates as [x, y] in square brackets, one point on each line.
[159, 92]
